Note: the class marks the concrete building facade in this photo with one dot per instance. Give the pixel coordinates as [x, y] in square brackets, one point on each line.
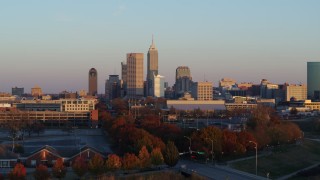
[183, 81]
[202, 91]
[298, 92]
[36, 91]
[93, 82]
[152, 67]
[158, 86]
[135, 75]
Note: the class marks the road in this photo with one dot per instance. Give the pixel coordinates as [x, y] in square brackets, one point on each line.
[216, 172]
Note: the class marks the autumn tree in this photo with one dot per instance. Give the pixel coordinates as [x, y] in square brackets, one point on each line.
[80, 166]
[18, 173]
[113, 162]
[171, 154]
[59, 170]
[156, 157]
[144, 157]
[96, 165]
[41, 173]
[130, 161]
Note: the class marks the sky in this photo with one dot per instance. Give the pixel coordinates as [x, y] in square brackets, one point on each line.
[54, 44]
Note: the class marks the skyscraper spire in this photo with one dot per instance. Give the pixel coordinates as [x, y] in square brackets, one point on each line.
[152, 38]
[153, 46]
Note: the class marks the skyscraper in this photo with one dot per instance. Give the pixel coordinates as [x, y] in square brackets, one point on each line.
[135, 75]
[123, 79]
[152, 67]
[112, 87]
[93, 82]
[158, 86]
[183, 81]
[313, 78]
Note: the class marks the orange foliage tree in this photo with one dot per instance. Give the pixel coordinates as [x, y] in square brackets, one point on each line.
[80, 166]
[130, 161]
[41, 173]
[144, 157]
[96, 165]
[18, 172]
[59, 170]
[113, 162]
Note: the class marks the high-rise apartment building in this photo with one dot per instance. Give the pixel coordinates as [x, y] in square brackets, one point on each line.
[298, 92]
[202, 90]
[113, 87]
[183, 81]
[152, 67]
[17, 91]
[93, 82]
[313, 78]
[135, 75]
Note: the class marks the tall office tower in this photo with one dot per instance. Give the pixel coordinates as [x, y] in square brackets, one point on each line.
[17, 91]
[152, 67]
[183, 81]
[298, 92]
[135, 75]
[36, 91]
[123, 79]
[202, 90]
[93, 82]
[313, 79]
[158, 86]
[113, 87]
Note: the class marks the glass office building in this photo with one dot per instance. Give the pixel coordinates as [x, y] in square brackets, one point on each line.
[313, 79]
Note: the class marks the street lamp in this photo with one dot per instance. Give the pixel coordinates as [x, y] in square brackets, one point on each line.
[256, 144]
[189, 144]
[211, 148]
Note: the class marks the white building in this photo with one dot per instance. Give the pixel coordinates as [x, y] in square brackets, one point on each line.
[158, 84]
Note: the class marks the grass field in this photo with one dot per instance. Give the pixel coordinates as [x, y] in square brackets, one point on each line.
[285, 160]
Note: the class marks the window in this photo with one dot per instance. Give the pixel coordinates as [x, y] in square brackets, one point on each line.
[4, 164]
[33, 162]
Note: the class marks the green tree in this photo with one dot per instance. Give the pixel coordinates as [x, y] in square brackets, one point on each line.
[156, 157]
[41, 173]
[171, 154]
[96, 165]
[59, 170]
[18, 173]
[80, 166]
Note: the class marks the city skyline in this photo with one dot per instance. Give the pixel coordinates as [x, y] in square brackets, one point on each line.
[54, 44]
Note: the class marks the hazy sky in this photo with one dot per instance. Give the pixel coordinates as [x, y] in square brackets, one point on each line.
[54, 43]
